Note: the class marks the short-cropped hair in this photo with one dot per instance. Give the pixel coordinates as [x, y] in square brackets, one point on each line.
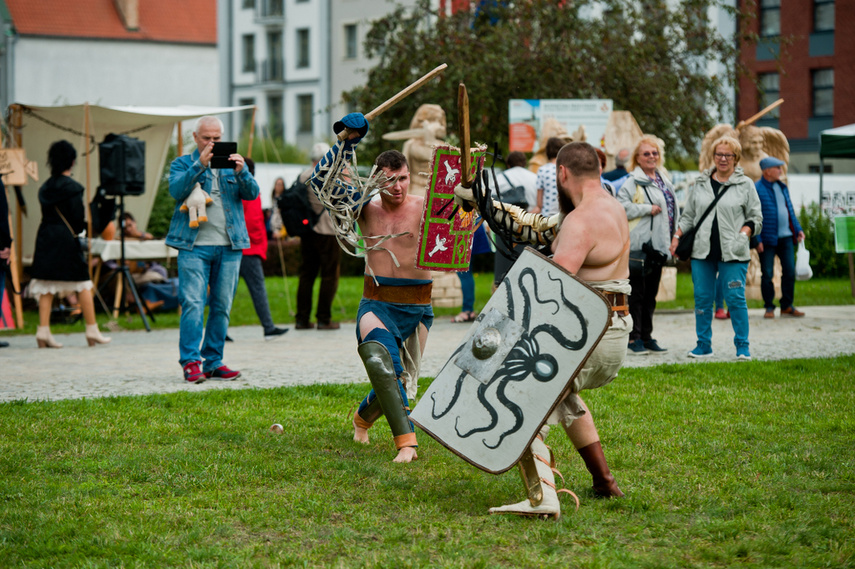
[515, 158]
[553, 145]
[61, 157]
[391, 159]
[581, 159]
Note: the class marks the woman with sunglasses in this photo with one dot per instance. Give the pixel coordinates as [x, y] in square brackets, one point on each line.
[647, 195]
[721, 243]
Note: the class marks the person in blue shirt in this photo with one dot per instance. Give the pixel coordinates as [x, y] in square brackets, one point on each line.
[781, 231]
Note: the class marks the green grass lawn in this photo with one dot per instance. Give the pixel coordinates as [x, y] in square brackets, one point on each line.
[282, 293]
[724, 465]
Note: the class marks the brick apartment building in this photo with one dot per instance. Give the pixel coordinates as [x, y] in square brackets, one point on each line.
[805, 55]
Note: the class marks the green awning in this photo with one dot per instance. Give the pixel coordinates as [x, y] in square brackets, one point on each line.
[837, 142]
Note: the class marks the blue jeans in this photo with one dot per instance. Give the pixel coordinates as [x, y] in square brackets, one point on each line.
[784, 251]
[203, 266]
[719, 293]
[732, 275]
[467, 285]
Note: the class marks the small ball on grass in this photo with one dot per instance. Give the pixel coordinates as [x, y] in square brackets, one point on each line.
[277, 428]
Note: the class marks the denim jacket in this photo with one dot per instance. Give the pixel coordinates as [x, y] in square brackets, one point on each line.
[184, 173]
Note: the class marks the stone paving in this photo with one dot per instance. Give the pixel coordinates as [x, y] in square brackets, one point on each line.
[138, 362]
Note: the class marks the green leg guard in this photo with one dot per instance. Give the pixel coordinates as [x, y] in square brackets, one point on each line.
[381, 373]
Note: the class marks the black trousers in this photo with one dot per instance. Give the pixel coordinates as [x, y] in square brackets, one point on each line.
[321, 254]
[642, 303]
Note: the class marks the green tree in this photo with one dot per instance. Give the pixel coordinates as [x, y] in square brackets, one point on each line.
[651, 58]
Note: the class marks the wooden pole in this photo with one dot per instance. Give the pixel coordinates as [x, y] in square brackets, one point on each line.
[755, 118]
[403, 94]
[251, 132]
[851, 274]
[180, 150]
[88, 191]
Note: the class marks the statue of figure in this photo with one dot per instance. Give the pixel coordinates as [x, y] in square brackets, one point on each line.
[757, 143]
[426, 130]
[551, 127]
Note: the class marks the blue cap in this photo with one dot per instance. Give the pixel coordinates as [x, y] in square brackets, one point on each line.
[770, 162]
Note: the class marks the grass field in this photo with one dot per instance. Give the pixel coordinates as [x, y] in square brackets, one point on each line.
[724, 465]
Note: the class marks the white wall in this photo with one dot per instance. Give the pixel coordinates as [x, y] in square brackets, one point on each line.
[64, 71]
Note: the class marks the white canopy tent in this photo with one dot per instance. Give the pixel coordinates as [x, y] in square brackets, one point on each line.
[85, 126]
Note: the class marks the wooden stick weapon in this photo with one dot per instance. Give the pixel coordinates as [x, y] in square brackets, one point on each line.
[412, 88]
[755, 118]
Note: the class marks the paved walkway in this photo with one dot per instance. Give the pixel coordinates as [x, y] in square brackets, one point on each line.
[138, 363]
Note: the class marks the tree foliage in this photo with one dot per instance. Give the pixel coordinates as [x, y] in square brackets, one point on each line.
[651, 58]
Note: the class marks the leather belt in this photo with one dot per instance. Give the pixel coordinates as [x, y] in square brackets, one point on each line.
[618, 302]
[406, 294]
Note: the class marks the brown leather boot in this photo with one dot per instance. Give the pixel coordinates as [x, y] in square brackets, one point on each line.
[595, 461]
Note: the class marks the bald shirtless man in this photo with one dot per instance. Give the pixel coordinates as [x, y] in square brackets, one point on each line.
[593, 244]
[395, 312]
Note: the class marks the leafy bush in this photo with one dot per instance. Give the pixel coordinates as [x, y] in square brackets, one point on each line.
[819, 239]
[164, 204]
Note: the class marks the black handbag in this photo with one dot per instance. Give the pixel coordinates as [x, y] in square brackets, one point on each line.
[687, 241]
[644, 261]
[514, 196]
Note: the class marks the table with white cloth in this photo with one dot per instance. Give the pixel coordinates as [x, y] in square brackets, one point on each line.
[135, 250]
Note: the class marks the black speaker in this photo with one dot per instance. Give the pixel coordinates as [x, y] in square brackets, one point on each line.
[122, 160]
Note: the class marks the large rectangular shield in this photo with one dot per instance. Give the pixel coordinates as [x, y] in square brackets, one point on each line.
[445, 241]
[515, 364]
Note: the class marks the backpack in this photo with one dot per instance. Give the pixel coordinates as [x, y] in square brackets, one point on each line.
[297, 215]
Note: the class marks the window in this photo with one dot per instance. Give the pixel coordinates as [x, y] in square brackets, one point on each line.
[306, 112]
[302, 48]
[246, 114]
[248, 53]
[770, 18]
[275, 7]
[823, 15]
[350, 41]
[275, 126]
[770, 90]
[823, 92]
[275, 68]
[248, 4]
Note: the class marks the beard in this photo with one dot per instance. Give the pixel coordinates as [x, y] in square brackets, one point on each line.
[565, 204]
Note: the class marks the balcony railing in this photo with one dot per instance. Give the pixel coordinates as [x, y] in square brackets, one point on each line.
[272, 70]
[270, 11]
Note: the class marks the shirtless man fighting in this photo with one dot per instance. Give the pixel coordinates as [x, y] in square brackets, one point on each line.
[395, 311]
[593, 244]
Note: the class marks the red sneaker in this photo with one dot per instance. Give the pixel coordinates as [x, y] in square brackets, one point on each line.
[223, 373]
[720, 314]
[193, 374]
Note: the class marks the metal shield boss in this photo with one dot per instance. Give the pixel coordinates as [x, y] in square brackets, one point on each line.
[515, 364]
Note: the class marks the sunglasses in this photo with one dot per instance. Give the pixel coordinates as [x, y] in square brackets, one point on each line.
[649, 154]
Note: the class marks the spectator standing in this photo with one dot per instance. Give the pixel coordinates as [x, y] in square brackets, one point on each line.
[721, 243]
[547, 187]
[620, 171]
[58, 263]
[251, 269]
[646, 195]
[321, 254]
[781, 231]
[515, 175]
[5, 247]
[208, 255]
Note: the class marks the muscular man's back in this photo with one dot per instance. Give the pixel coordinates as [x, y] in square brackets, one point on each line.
[594, 238]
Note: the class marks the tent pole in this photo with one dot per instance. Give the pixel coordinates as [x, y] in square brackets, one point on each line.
[251, 132]
[821, 174]
[88, 192]
[180, 141]
[16, 264]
